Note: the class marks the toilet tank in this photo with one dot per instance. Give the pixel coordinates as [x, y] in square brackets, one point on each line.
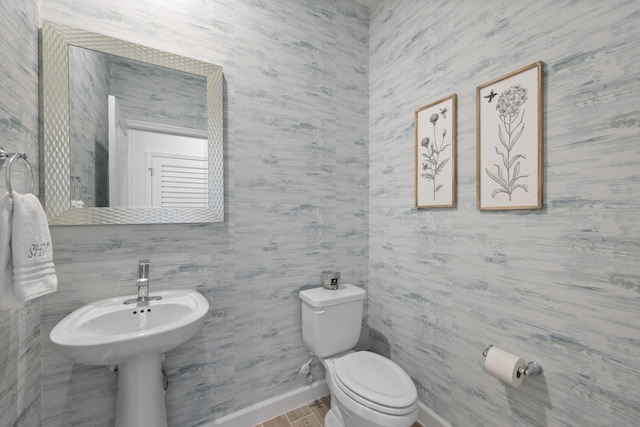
[331, 319]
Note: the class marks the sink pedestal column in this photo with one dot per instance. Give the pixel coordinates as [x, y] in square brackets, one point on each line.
[140, 394]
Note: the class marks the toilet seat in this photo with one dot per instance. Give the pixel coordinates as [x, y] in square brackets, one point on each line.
[376, 382]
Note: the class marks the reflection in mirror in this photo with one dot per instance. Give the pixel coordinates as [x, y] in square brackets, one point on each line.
[136, 131]
[131, 134]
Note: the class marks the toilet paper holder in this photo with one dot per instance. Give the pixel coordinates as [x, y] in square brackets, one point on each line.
[533, 369]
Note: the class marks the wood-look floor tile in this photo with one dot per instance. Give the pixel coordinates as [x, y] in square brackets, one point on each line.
[320, 407]
[298, 413]
[308, 421]
[310, 415]
[280, 421]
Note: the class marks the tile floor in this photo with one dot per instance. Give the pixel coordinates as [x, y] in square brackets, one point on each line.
[310, 415]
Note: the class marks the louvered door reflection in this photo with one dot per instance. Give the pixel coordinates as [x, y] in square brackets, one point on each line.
[178, 182]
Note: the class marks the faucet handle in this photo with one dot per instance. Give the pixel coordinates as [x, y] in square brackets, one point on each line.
[143, 269]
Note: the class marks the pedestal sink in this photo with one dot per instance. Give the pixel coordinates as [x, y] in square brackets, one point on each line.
[109, 332]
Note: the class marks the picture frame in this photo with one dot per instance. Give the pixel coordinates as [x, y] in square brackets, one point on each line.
[435, 154]
[509, 141]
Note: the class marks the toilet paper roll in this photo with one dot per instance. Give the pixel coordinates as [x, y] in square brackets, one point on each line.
[504, 366]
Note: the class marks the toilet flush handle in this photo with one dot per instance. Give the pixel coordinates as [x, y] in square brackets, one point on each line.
[318, 312]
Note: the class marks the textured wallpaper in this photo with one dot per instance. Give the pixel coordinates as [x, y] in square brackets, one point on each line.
[319, 146]
[559, 285]
[19, 327]
[296, 203]
[159, 95]
[89, 126]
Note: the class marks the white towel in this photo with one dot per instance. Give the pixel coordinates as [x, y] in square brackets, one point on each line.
[34, 274]
[8, 297]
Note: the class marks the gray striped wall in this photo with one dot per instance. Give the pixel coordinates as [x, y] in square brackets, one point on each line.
[319, 173]
[296, 193]
[560, 285]
[20, 327]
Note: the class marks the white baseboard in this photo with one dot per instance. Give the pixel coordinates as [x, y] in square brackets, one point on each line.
[273, 407]
[428, 418]
[278, 405]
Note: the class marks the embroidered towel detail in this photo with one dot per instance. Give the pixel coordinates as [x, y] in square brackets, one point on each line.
[33, 270]
[8, 297]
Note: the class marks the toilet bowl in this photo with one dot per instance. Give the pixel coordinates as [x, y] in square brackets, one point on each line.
[367, 390]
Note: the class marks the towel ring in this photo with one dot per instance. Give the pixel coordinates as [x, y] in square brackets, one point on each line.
[12, 157]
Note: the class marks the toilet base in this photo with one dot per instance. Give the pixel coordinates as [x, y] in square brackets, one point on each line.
[344, 418]
[335, 418]
[330, 420]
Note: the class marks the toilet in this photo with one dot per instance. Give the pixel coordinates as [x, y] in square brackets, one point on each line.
[367, 390]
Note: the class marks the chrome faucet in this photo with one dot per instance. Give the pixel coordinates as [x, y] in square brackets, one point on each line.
[143, 285]
[143, 282]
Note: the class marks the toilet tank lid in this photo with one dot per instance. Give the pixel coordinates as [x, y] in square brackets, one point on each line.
[321, 297]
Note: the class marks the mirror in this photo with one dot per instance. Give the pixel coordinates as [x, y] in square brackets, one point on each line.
[89, 178]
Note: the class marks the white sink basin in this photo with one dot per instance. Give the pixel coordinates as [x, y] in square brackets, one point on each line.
[108, 332]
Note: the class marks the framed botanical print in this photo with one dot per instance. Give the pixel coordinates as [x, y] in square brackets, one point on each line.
[509, 141]
[435, 172]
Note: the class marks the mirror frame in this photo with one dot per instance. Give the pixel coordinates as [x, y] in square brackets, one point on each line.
[56, 40]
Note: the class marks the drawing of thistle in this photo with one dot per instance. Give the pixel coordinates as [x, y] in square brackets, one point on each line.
[509, 133]
[433, 165]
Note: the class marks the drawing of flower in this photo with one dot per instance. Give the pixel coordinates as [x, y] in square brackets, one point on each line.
[509, 133]
[433, 165]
